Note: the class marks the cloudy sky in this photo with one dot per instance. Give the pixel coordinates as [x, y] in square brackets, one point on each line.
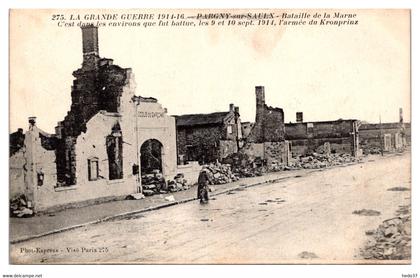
[327, 72]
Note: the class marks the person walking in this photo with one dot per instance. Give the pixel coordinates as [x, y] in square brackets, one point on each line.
[203, 185]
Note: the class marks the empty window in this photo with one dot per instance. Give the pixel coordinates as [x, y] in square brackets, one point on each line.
[229, 129]
[310, 127]
[93, 169]
[114, 151]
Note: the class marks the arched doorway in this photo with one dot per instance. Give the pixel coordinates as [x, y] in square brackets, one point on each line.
[151, 156]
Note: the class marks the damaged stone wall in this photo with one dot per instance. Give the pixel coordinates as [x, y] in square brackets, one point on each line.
[98, 85]
[266, 139]
[276, 152]
[307, 138]
[32, 168]
[209, 142]
[269, 121]
[199, 143]
[16, 140]
[227, 147]
[396, 136]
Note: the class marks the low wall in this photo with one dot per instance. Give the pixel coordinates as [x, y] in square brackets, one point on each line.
[190, 171]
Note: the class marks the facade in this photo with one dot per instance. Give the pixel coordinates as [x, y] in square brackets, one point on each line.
[208, 137]
[385, 137]
[96, 152]
[341, 136]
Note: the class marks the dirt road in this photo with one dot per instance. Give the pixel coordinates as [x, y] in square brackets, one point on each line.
[307, 219]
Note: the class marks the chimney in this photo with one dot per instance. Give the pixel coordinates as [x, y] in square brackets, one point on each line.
[260, 95]
[401, 116]
[237, 109]
[299, 117]
[90, 40]
[231, 107]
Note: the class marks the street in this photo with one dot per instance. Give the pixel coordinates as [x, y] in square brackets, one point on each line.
[307, 219]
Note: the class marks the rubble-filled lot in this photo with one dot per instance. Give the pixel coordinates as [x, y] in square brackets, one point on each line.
[392, 239]
[316, 161]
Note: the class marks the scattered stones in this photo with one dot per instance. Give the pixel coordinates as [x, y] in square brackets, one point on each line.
[307, 255]
[367, 212]
[222, 173]
[263, 203]
[403, 210]
[20, 207]
[318, 161]
[390, 241]
[399, 188]
[136, 196]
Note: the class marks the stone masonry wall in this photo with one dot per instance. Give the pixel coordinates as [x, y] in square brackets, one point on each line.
[306, 138]
[98, 85]
[269, 121]
[203, 142]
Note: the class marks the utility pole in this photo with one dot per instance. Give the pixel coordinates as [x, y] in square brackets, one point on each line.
[381, 136]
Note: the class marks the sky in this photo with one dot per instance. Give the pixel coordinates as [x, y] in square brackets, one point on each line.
[327, 72]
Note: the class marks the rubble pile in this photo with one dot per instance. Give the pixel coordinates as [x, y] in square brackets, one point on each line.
[178, 184]
[390, 241]
[222, 173]
[153, 183]
[247, 172]
[156, 184]
[371, 150]
[243, 166]
[19, 207]
[316, 161]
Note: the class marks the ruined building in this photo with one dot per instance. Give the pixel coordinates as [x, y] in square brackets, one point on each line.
[340, 136]
[96, 152]
[386, 137]
[269, 121]
[208, 137]
[266, 139]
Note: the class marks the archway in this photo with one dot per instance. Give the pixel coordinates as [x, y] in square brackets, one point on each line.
[151, 156]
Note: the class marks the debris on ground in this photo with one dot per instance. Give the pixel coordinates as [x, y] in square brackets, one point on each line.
[403, 210]
[221, 173]
[317, 161]
[20, 207]
[135, 196]
[399, 188]
[156, 184]
[307, 255]
[390, 241]
[153, 183]
[178, 184]
[170, 198]
[367, 212]
[242, 166]
[371, 150]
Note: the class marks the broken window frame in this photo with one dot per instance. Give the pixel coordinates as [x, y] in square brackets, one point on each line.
[115, 155]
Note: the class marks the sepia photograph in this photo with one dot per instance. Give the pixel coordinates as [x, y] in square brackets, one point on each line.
[210, 136]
